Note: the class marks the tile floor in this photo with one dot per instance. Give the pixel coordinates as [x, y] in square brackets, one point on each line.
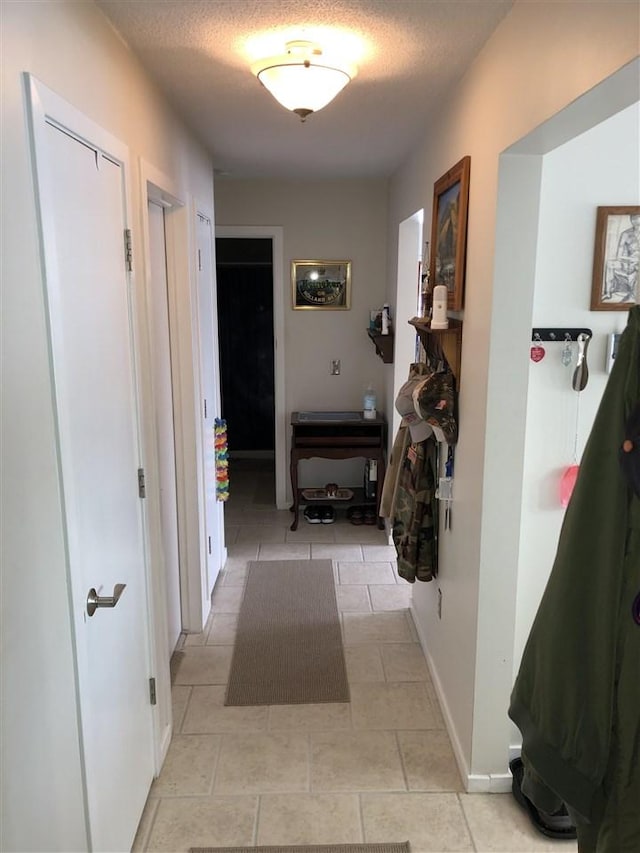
[377, 769]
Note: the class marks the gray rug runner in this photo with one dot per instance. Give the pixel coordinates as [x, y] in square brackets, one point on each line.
[322, 848]
[288, 647]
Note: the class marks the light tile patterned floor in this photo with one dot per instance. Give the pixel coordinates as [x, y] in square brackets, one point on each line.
[377, 769]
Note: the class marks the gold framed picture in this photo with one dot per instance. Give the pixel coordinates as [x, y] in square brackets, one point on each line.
[321, 285]
[449, 232]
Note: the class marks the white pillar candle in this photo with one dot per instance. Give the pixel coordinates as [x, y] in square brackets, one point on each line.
[439, 315]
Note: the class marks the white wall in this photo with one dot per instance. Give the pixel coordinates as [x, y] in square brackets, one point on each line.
[70, 48]
[576, 178]
[542, 57]
[340, 220]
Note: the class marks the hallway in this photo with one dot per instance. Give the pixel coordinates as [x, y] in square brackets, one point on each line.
[377, 769]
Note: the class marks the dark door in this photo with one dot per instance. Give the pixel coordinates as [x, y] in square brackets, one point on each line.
[245, 319]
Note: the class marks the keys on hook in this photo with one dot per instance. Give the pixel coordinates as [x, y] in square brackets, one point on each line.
[581, 373]
[537, 350]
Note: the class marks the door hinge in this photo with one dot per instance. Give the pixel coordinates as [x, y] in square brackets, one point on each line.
[209, 544]
[152, 691]
[142, 490]
[128, 251]
[199, 260]
[205, 407]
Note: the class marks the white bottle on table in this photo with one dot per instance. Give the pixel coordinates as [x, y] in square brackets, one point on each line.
[369, 404]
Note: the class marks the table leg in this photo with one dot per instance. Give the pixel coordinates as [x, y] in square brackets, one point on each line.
[381, 524]
[293, 467]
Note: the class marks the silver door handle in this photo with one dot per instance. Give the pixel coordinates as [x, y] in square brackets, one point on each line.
[94, 600]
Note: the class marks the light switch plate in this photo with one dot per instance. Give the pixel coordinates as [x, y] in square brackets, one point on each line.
[612, 351]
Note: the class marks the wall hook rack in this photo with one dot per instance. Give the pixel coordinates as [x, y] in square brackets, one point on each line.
[559, 334]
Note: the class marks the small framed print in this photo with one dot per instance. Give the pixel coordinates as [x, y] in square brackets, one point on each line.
[321, 285]
[616, 259]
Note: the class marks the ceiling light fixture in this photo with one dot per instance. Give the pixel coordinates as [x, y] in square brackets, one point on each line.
[303, 79]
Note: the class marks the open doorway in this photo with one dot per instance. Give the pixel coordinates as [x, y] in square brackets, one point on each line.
[550, 185]
[407, 297]
[273, 235]
[244, 268]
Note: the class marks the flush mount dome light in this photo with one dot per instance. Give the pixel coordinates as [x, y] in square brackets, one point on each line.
[303, 80]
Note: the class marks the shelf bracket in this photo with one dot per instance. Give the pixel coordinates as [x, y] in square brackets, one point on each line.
[383, 345]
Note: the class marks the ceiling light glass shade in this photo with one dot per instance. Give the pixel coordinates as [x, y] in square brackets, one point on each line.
[302, 80]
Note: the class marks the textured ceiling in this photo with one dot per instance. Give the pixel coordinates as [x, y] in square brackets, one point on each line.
[409, 52]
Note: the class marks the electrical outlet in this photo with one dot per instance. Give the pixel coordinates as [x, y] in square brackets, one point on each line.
[439, 603]
[335, 367]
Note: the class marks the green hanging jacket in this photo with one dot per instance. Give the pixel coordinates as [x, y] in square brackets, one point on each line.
[576, 699]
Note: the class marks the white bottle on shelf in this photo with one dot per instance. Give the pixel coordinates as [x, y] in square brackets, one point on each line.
[385, 319]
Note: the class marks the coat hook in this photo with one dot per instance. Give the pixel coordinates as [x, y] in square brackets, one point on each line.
[558, 334]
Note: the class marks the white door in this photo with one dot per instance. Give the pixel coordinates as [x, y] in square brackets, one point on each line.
[209, 359]
[83, 215]
[163, 406]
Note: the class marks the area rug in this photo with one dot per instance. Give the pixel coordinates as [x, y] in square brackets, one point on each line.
[288, 647]
[313, 848]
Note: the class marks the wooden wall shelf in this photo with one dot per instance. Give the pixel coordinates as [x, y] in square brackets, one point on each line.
[383, 345]
[439, 342]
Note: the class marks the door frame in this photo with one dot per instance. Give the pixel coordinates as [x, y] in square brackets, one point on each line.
[163, 403]
[276, 234]
[407, 285]
[181, 211]
[46, 106]
[200, 215]
[158, 187]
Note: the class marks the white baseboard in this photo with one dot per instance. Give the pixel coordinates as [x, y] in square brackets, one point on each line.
[165, 742]
[474, 783]
[495, 783]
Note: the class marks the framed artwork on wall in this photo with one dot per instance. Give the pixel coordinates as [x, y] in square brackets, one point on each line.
[616, 259]
[449, 232]
[321, 285]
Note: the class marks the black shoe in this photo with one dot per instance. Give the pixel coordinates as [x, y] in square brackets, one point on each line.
[556, 825]
[312, 514]
[327, 515]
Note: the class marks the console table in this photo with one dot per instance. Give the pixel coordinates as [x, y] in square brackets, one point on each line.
[336, 435]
